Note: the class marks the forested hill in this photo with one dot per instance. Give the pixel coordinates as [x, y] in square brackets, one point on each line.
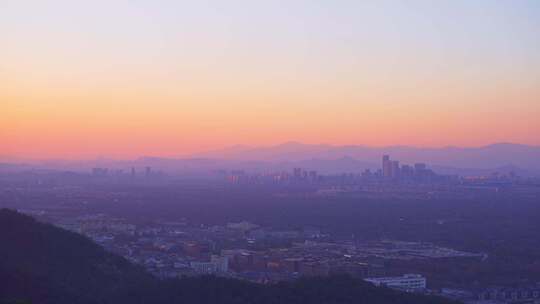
[40, 263]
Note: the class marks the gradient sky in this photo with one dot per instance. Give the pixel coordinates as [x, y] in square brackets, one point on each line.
[80, 79]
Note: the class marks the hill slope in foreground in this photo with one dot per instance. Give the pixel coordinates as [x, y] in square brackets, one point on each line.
[40, 263]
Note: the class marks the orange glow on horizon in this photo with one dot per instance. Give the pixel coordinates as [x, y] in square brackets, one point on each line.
[75, 127]
[80, 80]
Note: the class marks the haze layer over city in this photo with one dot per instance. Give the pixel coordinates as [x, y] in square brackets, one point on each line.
[269, 152]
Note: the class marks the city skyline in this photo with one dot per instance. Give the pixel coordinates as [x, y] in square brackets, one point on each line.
[305, 151]
[124, 79]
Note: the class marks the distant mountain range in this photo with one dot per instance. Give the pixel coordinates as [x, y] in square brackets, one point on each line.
[501, 157]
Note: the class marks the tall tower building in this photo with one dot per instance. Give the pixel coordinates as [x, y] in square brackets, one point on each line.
[386, 166]
[395, 171]
[297, 173]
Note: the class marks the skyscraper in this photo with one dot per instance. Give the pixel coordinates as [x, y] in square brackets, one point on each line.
[297, 173]
[420, 166]
[407, 171]
[386, 166]
[395, 171]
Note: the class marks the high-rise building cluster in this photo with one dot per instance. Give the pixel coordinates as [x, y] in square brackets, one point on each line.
[391, 169]
[298, 175]
[107, 173]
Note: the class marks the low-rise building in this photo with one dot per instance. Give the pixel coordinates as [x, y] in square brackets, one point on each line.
[408, 282]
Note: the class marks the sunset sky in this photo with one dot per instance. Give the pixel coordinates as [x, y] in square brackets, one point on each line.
[81, 79]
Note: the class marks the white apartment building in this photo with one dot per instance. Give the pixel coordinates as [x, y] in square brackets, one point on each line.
[408, 282]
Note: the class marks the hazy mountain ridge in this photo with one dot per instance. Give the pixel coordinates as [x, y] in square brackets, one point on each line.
[485, 157]
[328, 159]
